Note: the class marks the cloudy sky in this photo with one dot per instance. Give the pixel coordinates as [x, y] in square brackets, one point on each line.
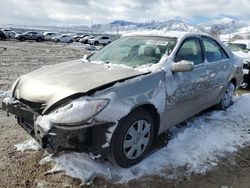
[82, 12]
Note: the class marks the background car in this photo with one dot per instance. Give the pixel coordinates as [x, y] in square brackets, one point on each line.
[85, 39]
[9, 33]
[79, 37]
[30, 35]
[239, 45]
[66, 38]
[49, 35]
[242, 49]
[99, 40]
[2, 36]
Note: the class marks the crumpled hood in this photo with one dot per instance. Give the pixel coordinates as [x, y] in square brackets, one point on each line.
[52, 83]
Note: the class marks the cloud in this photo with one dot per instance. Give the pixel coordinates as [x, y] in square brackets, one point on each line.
[81, 12]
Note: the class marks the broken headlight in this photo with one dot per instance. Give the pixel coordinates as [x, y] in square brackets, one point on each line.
[78, 111]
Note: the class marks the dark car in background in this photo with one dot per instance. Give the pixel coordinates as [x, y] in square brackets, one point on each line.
[30, 35]
[2, 36]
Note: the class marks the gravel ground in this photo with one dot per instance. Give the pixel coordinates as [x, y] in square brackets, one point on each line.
[19, 169]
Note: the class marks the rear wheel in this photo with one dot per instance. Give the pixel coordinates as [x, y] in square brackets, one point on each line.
[96, 43]
[132, 138]
[39, 40]
[227, 98]
[22, 39]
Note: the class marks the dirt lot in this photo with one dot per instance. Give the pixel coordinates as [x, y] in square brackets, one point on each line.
[22, 170]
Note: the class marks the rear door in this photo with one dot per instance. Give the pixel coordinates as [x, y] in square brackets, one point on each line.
[190, 94]
[219, 67]
[34, 35]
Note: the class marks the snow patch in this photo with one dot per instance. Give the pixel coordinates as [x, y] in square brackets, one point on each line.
[4, 94]
[28, 145]
[195, 148]
[159, 98]
[115, 110]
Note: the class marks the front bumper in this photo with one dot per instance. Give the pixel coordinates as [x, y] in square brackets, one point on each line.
[89, 139]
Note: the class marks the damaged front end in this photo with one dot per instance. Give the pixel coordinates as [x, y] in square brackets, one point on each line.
[86, 136]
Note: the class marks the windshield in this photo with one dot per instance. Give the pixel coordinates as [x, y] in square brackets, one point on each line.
[134, 51]
[237, 46]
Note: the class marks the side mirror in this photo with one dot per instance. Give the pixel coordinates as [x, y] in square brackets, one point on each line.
[182, 66]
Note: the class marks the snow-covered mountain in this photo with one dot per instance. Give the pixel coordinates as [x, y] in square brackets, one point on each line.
[122, 25]
[220, 26]
[223, 25]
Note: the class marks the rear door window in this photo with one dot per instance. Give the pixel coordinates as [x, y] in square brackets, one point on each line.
[213, 51]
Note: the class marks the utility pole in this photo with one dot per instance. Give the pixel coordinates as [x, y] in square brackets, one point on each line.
[91, 26]
[117, 29]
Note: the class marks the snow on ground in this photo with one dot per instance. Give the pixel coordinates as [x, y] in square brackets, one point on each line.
[4, 94]
[28, 145]
[196, 148]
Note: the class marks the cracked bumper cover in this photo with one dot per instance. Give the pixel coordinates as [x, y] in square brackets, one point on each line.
[89, 139]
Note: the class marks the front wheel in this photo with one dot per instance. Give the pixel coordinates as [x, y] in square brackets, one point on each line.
[227, 98]
[132, 138]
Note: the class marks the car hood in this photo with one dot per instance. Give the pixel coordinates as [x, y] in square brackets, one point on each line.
[50, 84]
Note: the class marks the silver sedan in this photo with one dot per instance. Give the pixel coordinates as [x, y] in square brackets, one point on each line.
[115, 102]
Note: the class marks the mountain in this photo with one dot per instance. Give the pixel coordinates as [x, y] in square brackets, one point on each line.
[122, 25]
[215, 27]
[223, 25]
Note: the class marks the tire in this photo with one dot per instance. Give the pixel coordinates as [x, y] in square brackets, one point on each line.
[71, 41]
[128, 133]
[39, 40]
[57, 40]
[96, 43]
[22, 39]
[227, 99]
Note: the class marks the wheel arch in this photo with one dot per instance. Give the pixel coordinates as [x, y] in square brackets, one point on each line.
[233, 81]
[153, 111]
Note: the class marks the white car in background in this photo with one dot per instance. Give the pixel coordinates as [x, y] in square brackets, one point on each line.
[49, 35]
[63, 38]
[100, 40]
[9, 33]
[86, 39]
[240, 45]
[241, 48]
